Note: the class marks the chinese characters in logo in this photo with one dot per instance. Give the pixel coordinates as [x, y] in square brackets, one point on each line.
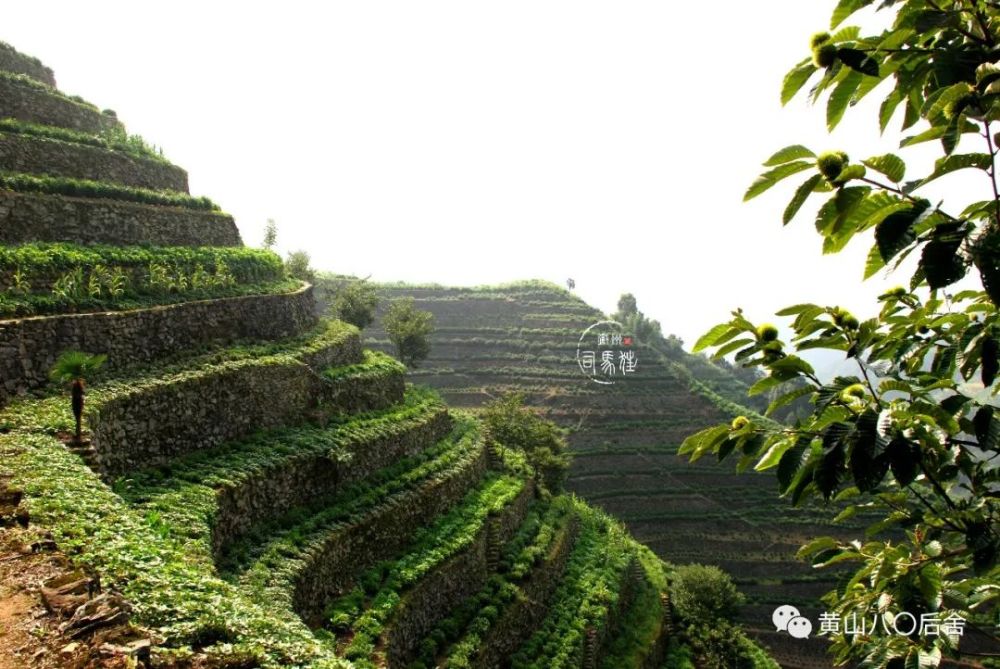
[606, 354]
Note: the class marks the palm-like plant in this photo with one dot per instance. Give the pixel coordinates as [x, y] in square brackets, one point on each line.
[75, 367]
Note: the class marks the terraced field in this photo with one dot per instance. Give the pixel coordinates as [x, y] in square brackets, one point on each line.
[260, 489]
[524, 337]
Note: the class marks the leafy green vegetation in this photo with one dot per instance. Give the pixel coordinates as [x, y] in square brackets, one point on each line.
[297, 264]
[703, 594]
[511, 425]
[355, 302]
[384, 586]
[460, 635]
[912, 435]
[90, 278]
[247, 265]
[408, 329]
[115, 139]
[588, 592]
[86, 188]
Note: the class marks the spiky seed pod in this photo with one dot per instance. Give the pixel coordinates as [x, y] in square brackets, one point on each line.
[739, 423]
[830, 164]
[840, 315]
[825, 55]
[767, 332]
[818, 40]
[855, 391]
[772, 351]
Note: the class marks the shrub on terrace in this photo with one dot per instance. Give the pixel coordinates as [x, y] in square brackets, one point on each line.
[512, 425]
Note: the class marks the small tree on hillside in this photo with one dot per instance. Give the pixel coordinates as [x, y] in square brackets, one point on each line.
[409, 329]
[75, 367]
[355, 302]
[512, 425]
[270, 234]
[297, 266]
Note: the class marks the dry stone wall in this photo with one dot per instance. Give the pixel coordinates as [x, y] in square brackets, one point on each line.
[422, 607]
[386, 530]
[310, 478]
[33, 104]
[525, 613]
[29, 346]
[30, 217]
[12, 60]
[41, 155]
[150, 425]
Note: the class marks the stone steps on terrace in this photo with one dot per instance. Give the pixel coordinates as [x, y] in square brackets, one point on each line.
[155, 417]
[35, 217]
[32, 154]
[309, 563]
[28, 100]
[597, 585]
[29, 346]
[492, 624]
[447, 562]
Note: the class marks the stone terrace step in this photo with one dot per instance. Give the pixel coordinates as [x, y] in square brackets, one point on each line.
[29, 154]
[29, 346]
[520, 595]
[153, 419]
[308, 564]
[12, 60]
[27, 100]
[242, 487]
[33, 217]
[450, 582]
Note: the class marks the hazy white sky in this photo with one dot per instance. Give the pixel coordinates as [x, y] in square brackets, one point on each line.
[470, 142]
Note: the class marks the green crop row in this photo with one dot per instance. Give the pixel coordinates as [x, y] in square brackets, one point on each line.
[369, 607]
[330, 334]
[270, 559]
[113, 139]
[588, 592]
[639, 629]
[375, 362]
[246, 264]
[170, 580]
[87, 188]
[71, 299]
[469, 623]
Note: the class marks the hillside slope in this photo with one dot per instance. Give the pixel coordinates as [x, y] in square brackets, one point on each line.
[523, 337]
[252, 487]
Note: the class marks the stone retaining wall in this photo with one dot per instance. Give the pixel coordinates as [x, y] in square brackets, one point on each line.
[28, 103]
[31, 217]
[304, 480]
[520, 619]
[150, 425]
[29, 346]
[376, 535]
[431, 600]
[40, 155]
[12, 60]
